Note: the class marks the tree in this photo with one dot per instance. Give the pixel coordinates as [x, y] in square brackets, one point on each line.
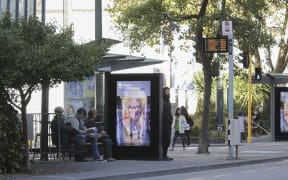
[277, 18]
[13, 152]
[259, 93]
[33, 54]
[144, 20]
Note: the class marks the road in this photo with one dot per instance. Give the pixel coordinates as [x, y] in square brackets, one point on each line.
[267, 171]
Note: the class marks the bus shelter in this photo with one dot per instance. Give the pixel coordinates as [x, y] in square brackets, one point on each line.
[278, 94]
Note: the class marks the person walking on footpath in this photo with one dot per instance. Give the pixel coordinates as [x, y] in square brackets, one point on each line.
[179, 123]
[190, 122]
[166, 123]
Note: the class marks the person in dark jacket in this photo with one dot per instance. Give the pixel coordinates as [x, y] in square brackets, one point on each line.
[64, 135]
[167, 119]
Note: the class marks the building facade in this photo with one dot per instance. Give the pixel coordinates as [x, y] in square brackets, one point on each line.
[90, 21]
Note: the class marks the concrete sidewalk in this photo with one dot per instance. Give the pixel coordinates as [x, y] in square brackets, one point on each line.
[184, 161]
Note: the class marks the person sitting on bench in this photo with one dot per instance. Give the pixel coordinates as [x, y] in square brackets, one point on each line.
[102, 136]
[64, 135]
[89, 134]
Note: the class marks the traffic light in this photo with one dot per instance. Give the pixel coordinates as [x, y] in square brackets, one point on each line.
[258, 73]
[245, 59]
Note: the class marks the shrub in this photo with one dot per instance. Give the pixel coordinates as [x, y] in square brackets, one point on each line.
[13, 154]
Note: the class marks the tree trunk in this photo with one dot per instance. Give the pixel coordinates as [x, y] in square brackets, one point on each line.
[44, 123]
[204, 136]
[25, 129]
[207, 70]
[282, 55]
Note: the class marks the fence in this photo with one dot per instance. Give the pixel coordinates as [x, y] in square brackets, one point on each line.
[34, 131]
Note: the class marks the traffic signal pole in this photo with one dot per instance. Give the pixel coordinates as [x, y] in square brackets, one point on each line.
[249, 100]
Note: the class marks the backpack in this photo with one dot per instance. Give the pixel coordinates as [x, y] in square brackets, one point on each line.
[190, 121]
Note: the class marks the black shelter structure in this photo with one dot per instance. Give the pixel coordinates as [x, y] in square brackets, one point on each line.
[116, 62]
[109, 64]
[277, 82]
[105, 104]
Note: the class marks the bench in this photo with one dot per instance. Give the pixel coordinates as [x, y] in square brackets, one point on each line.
[52, 149]
[87, 150]
[71, 152]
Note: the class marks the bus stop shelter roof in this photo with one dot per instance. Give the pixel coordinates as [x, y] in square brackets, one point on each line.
[115, 62]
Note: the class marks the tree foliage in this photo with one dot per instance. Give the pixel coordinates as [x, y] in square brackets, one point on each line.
[145, 20]
[14, 154]
[34, 54]
[259, 93]
[277, 19]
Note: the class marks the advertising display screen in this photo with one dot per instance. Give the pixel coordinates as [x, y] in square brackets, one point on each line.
[281, 113]
[133, 113]
[284, 111]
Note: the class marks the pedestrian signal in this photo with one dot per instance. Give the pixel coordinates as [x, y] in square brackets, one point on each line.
[258, 74]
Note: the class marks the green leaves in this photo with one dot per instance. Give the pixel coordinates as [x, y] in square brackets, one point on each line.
[32, 54]
[259, 92]
[143, 19]
[12, 150]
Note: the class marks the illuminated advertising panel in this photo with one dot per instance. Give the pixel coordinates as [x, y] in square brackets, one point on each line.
[284, 112]
[281, 113]
[133, 113]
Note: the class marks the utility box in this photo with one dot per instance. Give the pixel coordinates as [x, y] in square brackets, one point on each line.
[234, 137]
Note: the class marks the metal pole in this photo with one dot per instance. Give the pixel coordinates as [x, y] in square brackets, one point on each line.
[220, 103]
[26, 9]
[230, 90]
[236, 152]
[272, 107]
[59, 135]
[227, 30]
[43, 11]
[44, 106]
[231, 76]
[98, 20]
[44, 123]
[17, 10]
[249, 100]
[34, 7]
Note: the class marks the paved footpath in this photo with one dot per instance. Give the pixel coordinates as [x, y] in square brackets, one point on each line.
[184, 161]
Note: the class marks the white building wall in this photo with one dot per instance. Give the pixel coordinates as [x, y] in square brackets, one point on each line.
[56, 98]
[82, 16]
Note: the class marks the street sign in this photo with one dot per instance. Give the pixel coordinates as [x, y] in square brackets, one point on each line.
[216, 45]
[227, 29]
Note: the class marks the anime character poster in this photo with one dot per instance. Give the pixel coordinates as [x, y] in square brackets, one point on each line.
[79, 94]
[74, 90]
[133, 113]
[284, 112]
